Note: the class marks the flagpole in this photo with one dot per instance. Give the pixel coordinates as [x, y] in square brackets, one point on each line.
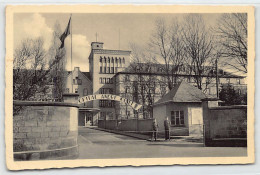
[71, 52]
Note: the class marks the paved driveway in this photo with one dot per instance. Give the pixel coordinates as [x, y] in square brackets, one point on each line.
[95, 144]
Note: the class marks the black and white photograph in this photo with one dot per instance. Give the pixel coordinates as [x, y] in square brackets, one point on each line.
[97, 85]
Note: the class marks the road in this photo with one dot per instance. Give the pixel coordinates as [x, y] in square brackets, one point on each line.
[95, 144]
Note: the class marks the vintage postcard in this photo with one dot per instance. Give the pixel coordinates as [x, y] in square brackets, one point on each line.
[128, 85]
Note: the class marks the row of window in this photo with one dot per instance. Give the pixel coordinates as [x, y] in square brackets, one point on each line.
[112, 60]
[103, 80]
[108, 70]
[106, 91]
[77, 81]
[76, 90]
[106, 103]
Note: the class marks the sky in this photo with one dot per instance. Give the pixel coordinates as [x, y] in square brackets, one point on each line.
[130, 28]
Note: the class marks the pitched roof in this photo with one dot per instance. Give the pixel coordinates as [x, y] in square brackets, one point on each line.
[183, 92]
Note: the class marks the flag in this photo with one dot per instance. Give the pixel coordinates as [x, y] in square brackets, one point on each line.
[65, 34]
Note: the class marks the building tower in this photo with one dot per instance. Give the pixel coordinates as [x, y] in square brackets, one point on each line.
[103, 65]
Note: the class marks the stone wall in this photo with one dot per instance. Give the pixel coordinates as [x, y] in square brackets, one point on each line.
[228, 122]
[44, 130]
[224, 125]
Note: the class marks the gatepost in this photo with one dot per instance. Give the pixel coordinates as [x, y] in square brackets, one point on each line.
[206, 104]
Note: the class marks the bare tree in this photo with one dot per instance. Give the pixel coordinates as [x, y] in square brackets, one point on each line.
[198, 46]
[232, 36]
[167, 43]
[29, 68]
[32, 70]
[144, 81]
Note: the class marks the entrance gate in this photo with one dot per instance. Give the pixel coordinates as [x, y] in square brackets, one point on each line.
[131, 103]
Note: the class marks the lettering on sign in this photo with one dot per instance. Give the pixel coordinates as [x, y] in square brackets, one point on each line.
[109, 97]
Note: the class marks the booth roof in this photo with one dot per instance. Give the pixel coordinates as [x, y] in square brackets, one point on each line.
[183, 92]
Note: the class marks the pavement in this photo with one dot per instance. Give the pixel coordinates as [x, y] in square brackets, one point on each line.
[100, 144]
[184, 139]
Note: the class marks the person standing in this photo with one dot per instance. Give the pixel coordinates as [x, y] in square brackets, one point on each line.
[167, 127]
[154, 130]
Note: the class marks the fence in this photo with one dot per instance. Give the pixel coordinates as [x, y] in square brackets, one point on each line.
[131, 125]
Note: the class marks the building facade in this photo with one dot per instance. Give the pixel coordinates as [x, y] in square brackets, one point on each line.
[147, 83]
[110, 72]
[103, 65]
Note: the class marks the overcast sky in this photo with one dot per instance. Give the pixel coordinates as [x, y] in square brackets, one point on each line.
[134, 28]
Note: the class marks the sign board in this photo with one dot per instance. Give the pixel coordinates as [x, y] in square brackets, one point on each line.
[109, 97]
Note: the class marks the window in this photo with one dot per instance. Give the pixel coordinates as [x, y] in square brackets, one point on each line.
[106, 103]
[108, 70]
[100, 60]
[105, 69]
[103, 80]
[100, 69]
[112, 70]
[85, 91]
[177, 118]
[67, 90]
[79, 81]
[238, 81]
[126, 77]
[76, 90]
[106, 91]
[120, 63]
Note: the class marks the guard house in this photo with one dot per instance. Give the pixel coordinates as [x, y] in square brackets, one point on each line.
[183, 107]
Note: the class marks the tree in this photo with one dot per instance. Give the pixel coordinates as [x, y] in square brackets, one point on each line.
[230, 96]
[144, 81]
[33, 72]
[29, 69]
[167, 44]
[198, 46]
[231, 34]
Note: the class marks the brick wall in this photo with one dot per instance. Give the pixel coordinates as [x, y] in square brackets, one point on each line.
[41, 132]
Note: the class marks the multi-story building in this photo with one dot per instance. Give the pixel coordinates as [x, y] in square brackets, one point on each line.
[103, 65]
[147, 83]
[110, 72]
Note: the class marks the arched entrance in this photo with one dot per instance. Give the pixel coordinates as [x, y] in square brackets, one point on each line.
[131, 103]
[104, 115]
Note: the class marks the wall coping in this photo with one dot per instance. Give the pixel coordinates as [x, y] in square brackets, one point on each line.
[210, 99]
[70, 94]
[43, 103]
[229, 107]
